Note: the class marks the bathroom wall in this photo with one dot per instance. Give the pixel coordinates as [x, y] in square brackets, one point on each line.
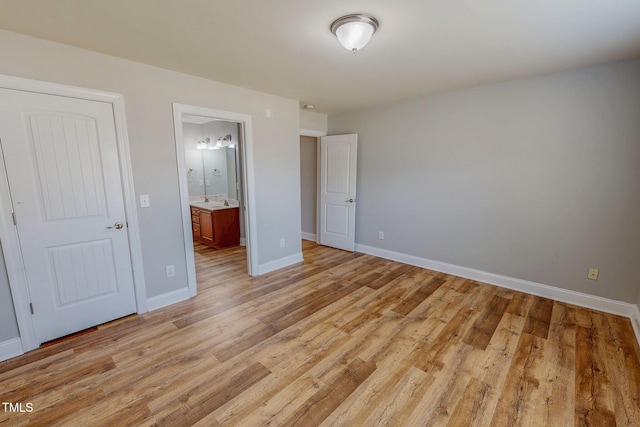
[232, 175]
[192, 134]
[202, 179]
[216, 168]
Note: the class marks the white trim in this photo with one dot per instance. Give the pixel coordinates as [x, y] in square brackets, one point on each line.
[280, 263]
[318, 187]
[312, 133]
[15, 267]
[539, 289]
[130, 207]
[10, 348]
[248, 183]
[168, 298]
[8, 234]
[635, 322]
[309, 236]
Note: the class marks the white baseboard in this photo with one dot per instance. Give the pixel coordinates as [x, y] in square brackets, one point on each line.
[280, 263]
[564, 295]
[169, 298]
[309, 236]
[635, 322]
[10, 348]
[243, 241]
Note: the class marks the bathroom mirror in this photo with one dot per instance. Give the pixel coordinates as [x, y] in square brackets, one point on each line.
[211, 157]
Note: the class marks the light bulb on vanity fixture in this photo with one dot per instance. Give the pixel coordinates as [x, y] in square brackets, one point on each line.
[224, 141]
[354, 31]
[203, 144]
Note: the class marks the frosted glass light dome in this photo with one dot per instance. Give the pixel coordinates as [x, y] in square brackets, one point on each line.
[354, 31]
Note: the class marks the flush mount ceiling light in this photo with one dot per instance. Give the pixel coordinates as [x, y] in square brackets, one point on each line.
[354, 31]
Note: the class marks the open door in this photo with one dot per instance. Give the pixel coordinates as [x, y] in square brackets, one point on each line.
[338, 160]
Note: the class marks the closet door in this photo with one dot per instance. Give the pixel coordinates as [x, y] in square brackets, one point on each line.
[64, 176]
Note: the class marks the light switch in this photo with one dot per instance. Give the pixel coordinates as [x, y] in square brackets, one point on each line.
[145, 202]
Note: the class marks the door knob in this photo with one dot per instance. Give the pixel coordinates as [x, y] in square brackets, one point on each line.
[117, 226]
[350, 200]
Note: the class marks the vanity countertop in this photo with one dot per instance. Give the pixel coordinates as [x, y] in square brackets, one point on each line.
[212, 206]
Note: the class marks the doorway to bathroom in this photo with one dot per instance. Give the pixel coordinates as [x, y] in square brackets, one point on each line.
[215, 173]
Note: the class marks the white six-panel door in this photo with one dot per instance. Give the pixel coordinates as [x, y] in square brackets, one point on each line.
[338, 160]
[62, 167]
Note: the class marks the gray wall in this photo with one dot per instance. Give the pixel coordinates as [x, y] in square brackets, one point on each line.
[192, 133]
[149, 93]
[537, 179]
[218, 158]
[311, 120]
[8, 324]
[232, 176]
[308, 182]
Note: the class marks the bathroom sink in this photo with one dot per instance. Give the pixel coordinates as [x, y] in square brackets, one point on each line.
[212, 205]
[208, 205]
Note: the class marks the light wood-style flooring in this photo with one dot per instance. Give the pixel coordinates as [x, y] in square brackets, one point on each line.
[343, 339]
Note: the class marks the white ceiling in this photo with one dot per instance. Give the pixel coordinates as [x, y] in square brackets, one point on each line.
[284, 47]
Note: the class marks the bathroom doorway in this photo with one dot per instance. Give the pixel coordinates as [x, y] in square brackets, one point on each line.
[215, 176]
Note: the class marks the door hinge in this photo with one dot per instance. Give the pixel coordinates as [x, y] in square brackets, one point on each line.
[15, 219]
[31, 307]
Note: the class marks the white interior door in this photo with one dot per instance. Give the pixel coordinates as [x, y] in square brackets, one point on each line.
[64, 177]
[338, 161]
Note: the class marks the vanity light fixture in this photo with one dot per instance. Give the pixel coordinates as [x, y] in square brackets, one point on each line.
[204, 144]
[354, 31]
[222, 142]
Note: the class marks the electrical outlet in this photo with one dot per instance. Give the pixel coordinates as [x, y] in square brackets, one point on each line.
[381, 235]
[282, 243]
[593, 274]
[171, 270]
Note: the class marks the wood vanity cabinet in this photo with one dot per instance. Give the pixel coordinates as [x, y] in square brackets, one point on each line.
[218, 228]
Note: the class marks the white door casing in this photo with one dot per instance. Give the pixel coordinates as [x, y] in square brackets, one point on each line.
[338, 162]
[61, 157]
[248, 182]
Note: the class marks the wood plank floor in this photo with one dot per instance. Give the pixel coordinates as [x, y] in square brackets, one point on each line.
[340, 340]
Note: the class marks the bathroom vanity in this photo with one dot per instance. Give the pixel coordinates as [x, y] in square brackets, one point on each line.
[215, 225]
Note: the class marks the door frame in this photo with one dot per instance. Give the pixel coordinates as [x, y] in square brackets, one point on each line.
[246, 158]
[8, 231]
[317, 134]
